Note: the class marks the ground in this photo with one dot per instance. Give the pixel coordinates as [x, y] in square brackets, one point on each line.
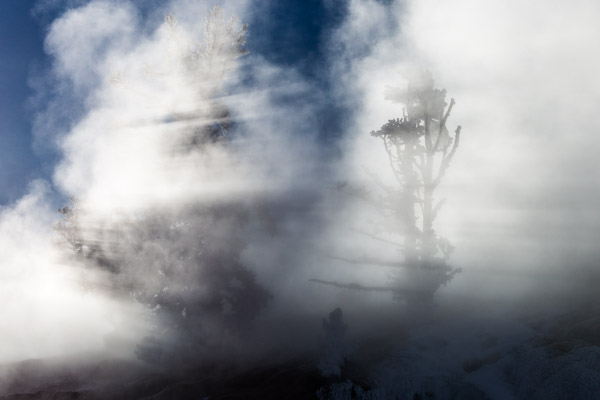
[449, 355]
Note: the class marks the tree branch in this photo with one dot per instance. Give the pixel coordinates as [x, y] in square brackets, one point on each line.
[443, 124]
[360, 194]
[391, 160]
[446, 161]
[428, 142]
[377, 237]
[356, 286]
[378, 182]
[436, 209]
[371, 261]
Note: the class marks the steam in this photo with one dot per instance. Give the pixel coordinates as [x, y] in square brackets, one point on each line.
[133, 102]
[517, 201]
[145, 160]
[46, 311]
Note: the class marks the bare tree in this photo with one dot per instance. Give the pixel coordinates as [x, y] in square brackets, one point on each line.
[419, 149]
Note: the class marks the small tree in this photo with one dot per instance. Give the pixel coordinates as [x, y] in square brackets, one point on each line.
[419, 149]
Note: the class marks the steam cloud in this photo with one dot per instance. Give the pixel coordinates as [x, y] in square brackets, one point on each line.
[521, 192]
[148, 171]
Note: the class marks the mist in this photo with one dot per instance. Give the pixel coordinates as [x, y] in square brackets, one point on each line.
[140, 175]
[520, 197]
[206, 218]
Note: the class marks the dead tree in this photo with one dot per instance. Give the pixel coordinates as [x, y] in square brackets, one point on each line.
[419, 149]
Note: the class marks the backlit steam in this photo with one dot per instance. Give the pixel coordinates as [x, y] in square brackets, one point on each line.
[161, 195]
[203, 200]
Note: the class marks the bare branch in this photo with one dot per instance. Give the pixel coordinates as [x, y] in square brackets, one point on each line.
[391, 160]
[443, 124]
[371, 261]
[436, 209]
[361, 194]
[456, 141]
[428, 142]
[420, 199]
[397, 291]
[446, 161]
[378, 182]
[377, 237]
[356, 286]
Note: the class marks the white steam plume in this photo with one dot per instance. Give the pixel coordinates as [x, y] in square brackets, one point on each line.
[133, 159]
[523, 186]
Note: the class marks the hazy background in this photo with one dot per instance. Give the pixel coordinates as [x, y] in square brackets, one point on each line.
[521, 193]
[522, 190]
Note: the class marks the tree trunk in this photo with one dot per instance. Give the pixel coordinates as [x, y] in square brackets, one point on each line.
[411, 187]
[427, 245]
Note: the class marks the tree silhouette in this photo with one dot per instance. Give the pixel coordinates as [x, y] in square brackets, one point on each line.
[181, 262]
[419, 149]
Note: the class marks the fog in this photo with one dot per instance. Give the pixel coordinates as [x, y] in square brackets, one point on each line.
[521, 191]
[141, 161]
[172, 156]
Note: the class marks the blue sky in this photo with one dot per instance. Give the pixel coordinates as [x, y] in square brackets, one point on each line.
[288, 33]
[21, 47]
